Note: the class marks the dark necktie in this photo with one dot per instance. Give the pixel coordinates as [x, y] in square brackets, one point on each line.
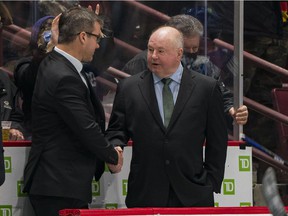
[98, 108]
[168, 103]
[87, 80]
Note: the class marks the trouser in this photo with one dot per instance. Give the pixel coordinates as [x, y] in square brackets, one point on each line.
[173, 200]
[50, 206]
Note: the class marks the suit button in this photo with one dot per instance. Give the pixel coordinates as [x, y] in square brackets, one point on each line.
[167, 162]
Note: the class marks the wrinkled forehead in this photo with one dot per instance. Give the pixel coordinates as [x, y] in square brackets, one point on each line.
[162, 41]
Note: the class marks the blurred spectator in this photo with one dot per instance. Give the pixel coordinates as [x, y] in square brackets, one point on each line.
[26, 69]
[9, 107]
[264, 37]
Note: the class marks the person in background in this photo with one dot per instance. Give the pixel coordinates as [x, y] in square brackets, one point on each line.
[9, 108]
[68, 122]
[265, 36]
[192, 30]
[25, 71]
[168, 131]
[8, 102]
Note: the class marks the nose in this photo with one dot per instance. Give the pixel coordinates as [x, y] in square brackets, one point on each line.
[154, 54]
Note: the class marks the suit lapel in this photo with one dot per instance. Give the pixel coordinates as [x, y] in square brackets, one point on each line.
[98, 111]
[147, 89]
[186, 88]
[97, 105]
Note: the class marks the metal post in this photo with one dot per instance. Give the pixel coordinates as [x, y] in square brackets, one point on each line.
[2, 166]
[238, 55]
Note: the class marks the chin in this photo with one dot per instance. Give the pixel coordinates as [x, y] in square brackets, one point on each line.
[87, 60]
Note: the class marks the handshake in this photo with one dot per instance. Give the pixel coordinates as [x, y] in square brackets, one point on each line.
[117, 168]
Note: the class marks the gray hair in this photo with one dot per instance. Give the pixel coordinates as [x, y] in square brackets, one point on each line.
[179, 41]
[188, 25]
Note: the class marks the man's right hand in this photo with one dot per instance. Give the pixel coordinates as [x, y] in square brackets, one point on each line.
[117, 168]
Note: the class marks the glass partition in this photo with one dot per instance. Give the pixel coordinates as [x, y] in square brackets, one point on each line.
[128, 25]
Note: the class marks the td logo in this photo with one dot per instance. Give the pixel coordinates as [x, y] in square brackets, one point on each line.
[244, 163]
[95, 188]
[111, 206]
[106, 168]
[8, 164]
[5, 210]
[124, 187]
[245, 204]
[229, 186]
[20, 186]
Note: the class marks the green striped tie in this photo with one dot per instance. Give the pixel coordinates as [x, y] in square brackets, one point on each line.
[168, 103]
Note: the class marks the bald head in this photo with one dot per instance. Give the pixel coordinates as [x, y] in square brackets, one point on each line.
[169, 34]
[165, 49]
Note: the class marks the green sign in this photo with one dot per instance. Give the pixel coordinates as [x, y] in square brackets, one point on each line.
[8, 164]
[5, 210]
[229, 187]
[20, 186]
[124, 187]
[111, 206]
[95, 188]
[245, 204]
[244, 163]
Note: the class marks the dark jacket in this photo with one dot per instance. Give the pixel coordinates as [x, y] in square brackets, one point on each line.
[9, 112]
[25, 74]
[68, 145]
[261, 18]
[10, 109]
[171, 157]
[139, 63]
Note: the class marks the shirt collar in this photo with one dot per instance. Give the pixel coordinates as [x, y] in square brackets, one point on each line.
[77, 64]
[176, 77]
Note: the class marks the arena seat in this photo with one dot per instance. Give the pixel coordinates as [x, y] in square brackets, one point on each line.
[280, 103]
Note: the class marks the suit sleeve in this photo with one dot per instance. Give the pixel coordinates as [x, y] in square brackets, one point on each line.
[116, 132]
[71, 104]
[216, 139]
[16, 116]
[227, 98]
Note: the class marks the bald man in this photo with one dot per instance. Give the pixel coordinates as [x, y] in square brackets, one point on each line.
[167, 167]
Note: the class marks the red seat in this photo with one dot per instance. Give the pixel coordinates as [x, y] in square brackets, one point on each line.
[280, 102]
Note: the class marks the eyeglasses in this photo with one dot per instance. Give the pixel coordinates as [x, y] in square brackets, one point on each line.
[98, 37]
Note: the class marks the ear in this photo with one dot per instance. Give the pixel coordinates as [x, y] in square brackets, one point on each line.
[82, 37]
[180, 53]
